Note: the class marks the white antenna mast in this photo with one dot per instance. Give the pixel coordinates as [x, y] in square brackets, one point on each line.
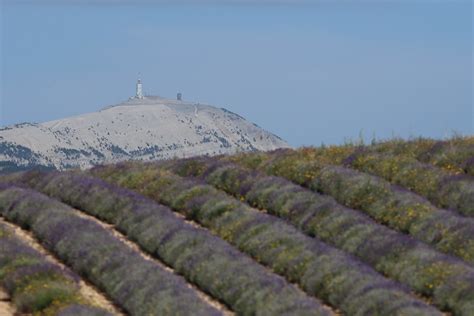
[139, 88]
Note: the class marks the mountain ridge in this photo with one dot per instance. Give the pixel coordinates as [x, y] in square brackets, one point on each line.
[151, 128]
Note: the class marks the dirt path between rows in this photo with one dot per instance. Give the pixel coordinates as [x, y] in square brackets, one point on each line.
[6, 306]
[111, 228]
[331, 309]
[427, 300]
[87, 290]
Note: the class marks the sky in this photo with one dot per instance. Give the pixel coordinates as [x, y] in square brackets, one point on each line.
[311, 72]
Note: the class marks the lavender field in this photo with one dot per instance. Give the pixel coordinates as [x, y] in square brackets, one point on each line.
[380, 229]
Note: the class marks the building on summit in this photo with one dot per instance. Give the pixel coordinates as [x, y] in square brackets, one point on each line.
[140, 95]
[139, 90]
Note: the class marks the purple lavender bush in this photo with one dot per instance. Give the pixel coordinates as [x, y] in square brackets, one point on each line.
[400, 209]
[396, 255]
[453, 153]
[443, 188]
[206, 260]
[81, 310]
[388, 204]
[322, 271]
[139, 286]
[36, 284]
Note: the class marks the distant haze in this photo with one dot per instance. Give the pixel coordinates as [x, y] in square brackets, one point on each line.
[311, 72]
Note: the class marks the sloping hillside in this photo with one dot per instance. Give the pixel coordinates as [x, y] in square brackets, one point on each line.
[386, 229]
[144, 129]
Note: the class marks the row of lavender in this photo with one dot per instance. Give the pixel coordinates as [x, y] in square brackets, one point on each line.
[390, 205]
[322, 271]
[94, 253]
[451, 191]
[448, 280]
[455, 154]
[37, 285]
[205, 260]
[449, 188]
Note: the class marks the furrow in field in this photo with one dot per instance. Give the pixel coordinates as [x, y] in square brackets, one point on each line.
[6, 306]
[139, 286]
[111, 228]
[453, 155]
[398, 256]
[321, 270]
[201, 257]
[450, 190]
[388, 204]
[329, 309]
[36, 285]
[86, 290]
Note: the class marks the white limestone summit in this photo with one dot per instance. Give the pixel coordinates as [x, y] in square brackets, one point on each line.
[144, 128]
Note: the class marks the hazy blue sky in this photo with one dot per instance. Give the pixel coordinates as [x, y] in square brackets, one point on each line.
[310, 72]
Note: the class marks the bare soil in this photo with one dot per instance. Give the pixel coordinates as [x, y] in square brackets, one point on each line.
[204, 296]
[6, 306]
[87, 290]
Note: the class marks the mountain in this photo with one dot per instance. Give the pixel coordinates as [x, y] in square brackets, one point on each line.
[150, 128]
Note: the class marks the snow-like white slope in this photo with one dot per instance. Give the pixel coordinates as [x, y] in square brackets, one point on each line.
[146, 129]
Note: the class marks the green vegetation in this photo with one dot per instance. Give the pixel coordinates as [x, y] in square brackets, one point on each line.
[205, 260]
[455, 155]
[396, 255]
[139, 286]
[37, 285]
[448, 187]
[390, 205]
[319, 269]
[381, 229]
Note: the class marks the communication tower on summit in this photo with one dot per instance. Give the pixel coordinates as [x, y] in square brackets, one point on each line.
[139, 90]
